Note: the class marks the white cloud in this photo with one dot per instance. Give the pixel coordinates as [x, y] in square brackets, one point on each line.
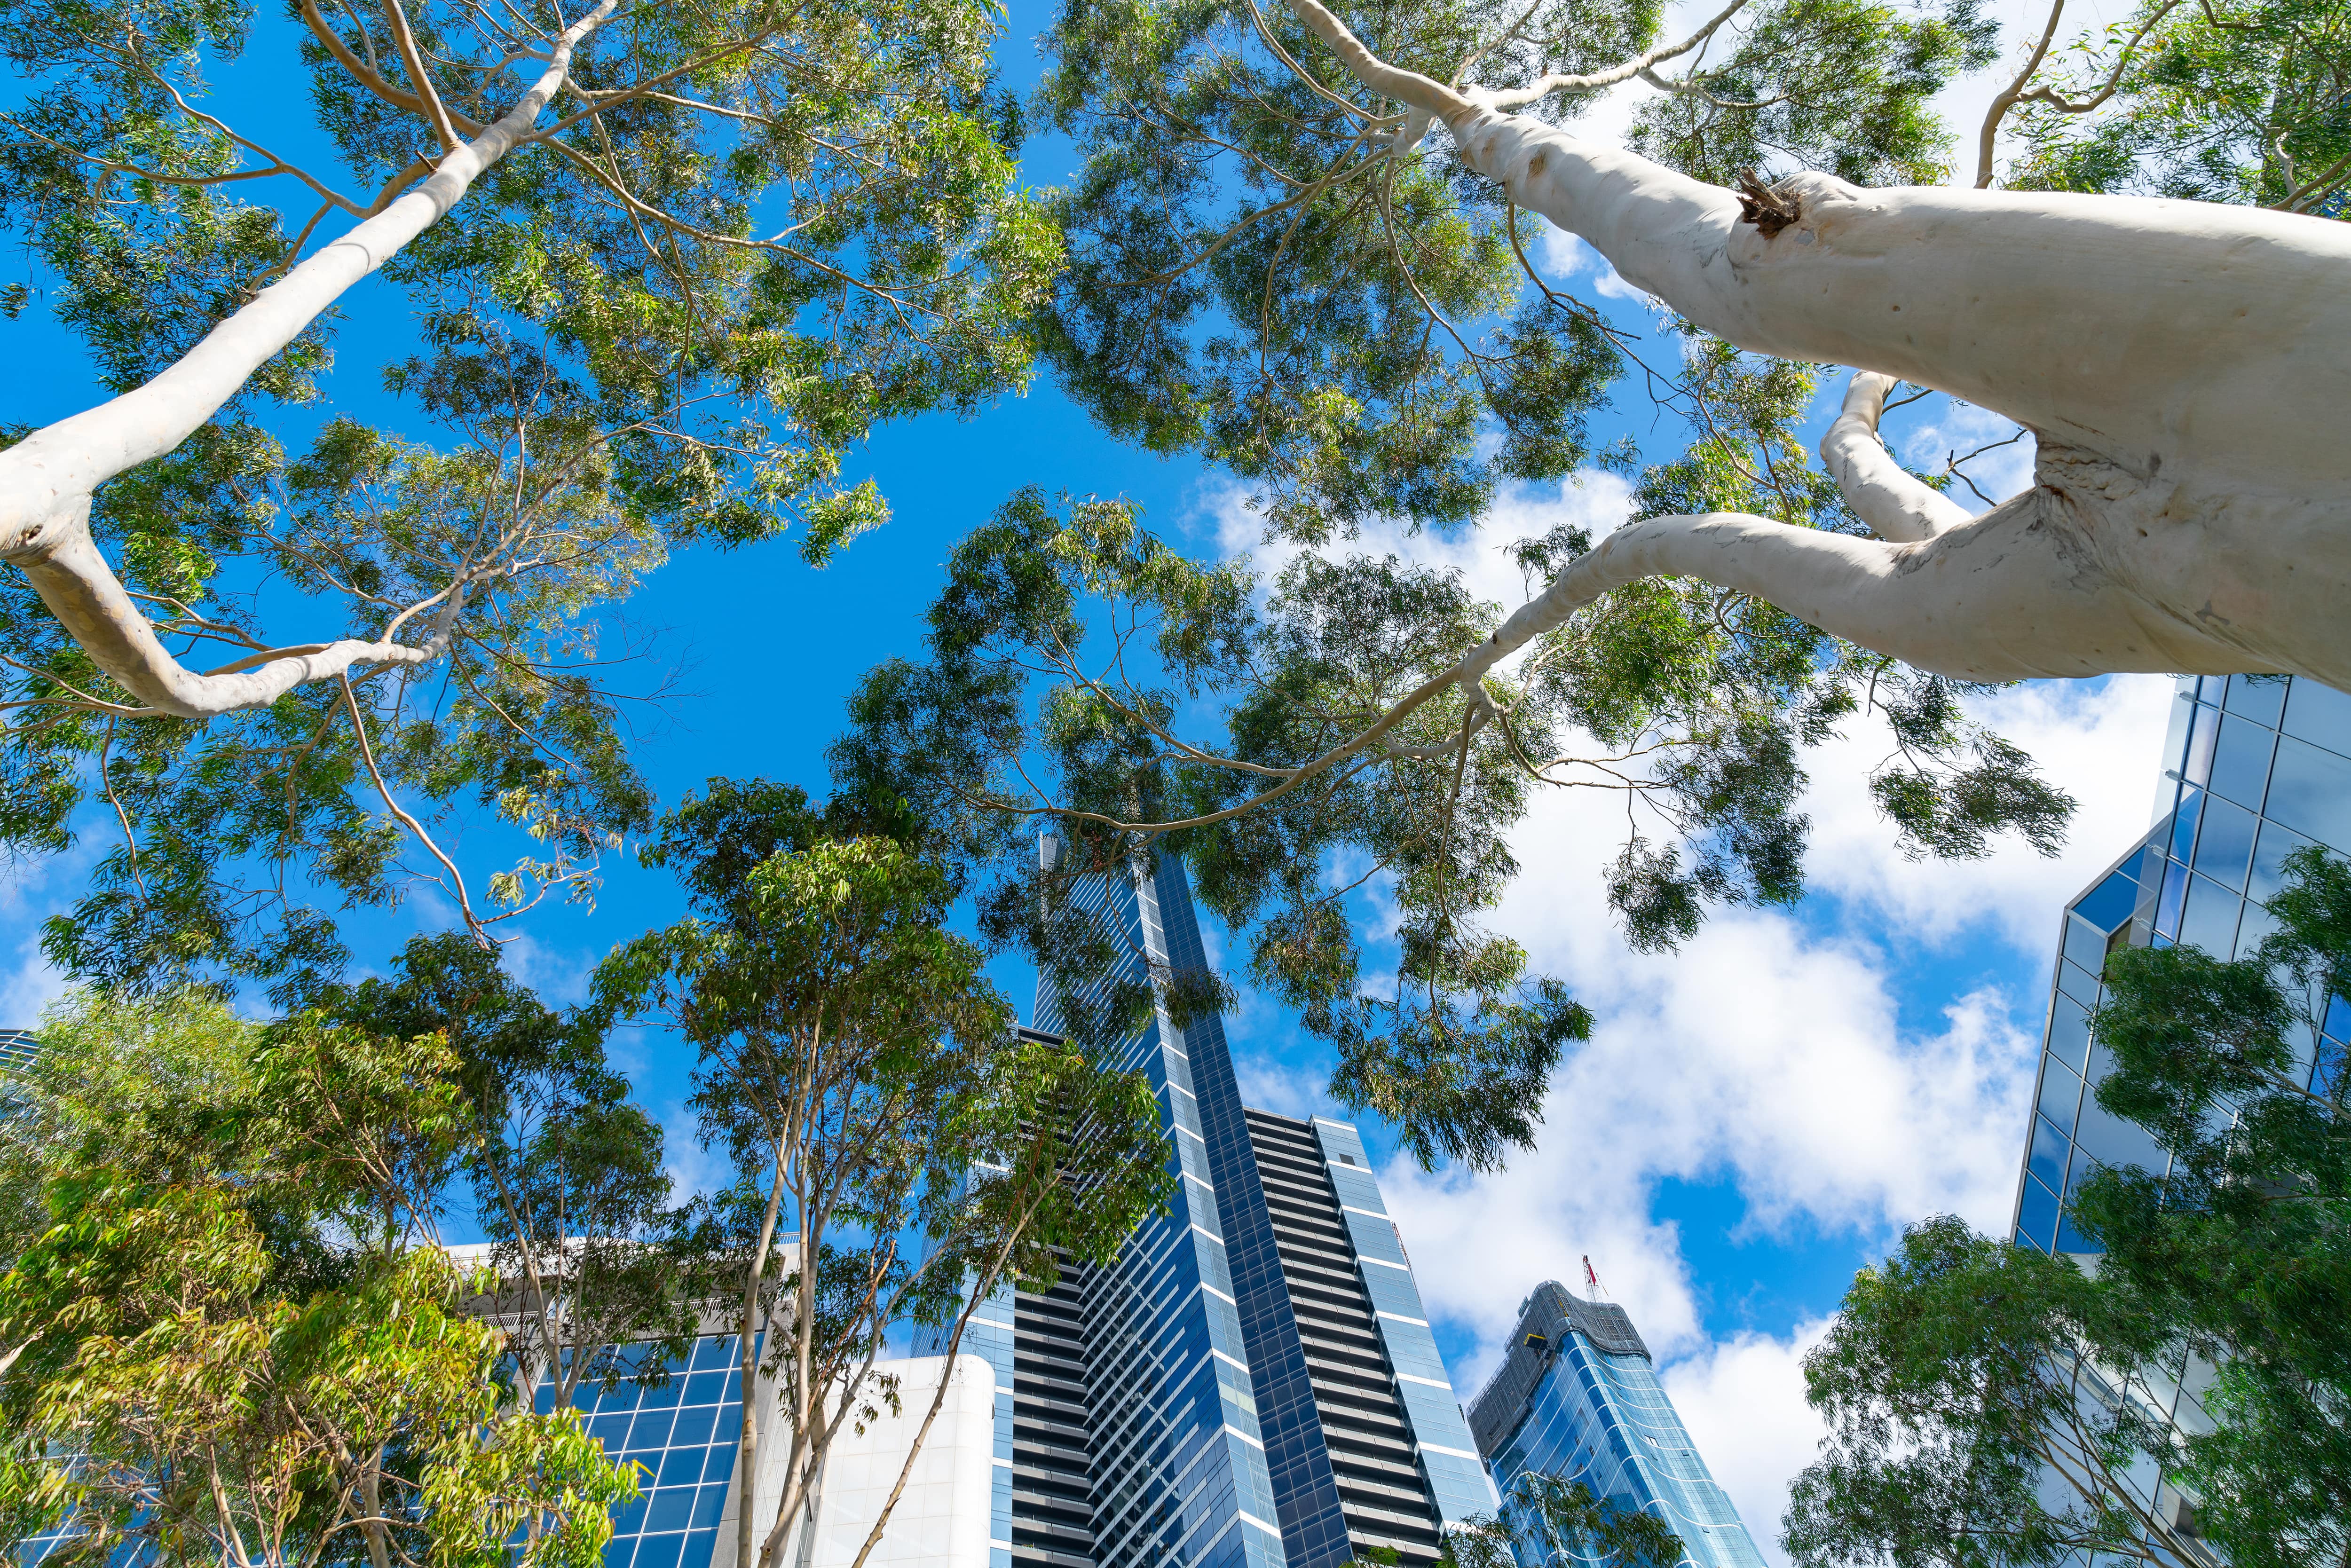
[1743, 1402]
[2100, 741]
[1568, 257]
[30, 985]
[560, 978]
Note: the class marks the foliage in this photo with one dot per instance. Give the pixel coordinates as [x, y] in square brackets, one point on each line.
[227, 1343]
[1080, 670]
[2234, 101]
[1254, 274]
[566, 1175]
[1991, 1404]
[1562, 1521]
[897, 1150]
[746, 235]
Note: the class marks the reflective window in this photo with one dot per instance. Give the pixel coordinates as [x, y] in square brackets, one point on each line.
[2050, 1148]
[2085, 946]
[2183, 821]
[2241, 762]
[2061, 1093]
[2225, 846]
[2077, 983]
[2277, 841]
[2311, 792]
[2259, 697]
[2167, 911]
[2210, 922]
[2037, 1216]
[2321, 715]
[2110, 904]
[2069, 1032]
[2199, 766]
[2257, 924]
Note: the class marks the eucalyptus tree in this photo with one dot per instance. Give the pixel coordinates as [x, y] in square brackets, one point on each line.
[1304, 243]
[231, 1338]
[898, 1152]
[567, 1175]
[660, 268]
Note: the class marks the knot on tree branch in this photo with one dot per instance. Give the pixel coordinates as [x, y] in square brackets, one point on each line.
[1768, 207]
[34, 543]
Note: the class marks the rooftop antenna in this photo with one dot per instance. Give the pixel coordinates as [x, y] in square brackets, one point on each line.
[1591, 1280]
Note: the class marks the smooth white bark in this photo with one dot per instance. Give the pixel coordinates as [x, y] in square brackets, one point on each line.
[2179, 363]
[47, 479]
[1880, 491]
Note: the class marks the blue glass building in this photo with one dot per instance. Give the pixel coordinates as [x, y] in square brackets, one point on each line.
[2254, 767]
[681, 1436]
[1253, 1380]
[1577, 1398]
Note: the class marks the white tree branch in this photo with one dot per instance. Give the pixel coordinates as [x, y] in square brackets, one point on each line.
[2170, 357]
[46, 480]
[1615, 75]
[1881, 491]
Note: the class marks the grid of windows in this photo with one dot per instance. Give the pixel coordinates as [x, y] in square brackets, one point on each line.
[1177, 1463]
[1234, 1389]
[1601, 1417]
[2256, 767]
[681, 1436]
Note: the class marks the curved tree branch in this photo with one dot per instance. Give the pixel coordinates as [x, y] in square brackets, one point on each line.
[47, 480]
[1881, 491]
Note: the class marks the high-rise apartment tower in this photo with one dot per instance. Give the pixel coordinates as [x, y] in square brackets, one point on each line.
[1577, 1398]
[1252, 1381]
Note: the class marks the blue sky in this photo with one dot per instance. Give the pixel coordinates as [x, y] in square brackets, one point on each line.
[1753, 1118]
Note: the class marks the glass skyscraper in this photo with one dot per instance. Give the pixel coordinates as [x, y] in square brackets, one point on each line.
[2254, 767]
[1253, 1380]
[1577, 1398]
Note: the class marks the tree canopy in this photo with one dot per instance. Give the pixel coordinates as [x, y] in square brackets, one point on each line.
[666, 272]
[221, 1337]
[706, 253]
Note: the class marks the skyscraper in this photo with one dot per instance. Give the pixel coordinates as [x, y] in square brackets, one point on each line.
[2254, 767]
[1253, 1380]
[1576, 1397]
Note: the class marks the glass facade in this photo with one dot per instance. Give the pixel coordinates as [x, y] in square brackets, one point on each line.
[2255, 768]
[682, 1437]
[1577, 1398]
[1252, 1381]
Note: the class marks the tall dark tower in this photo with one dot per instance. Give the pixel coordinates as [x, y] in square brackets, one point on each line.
[1253, 1380]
